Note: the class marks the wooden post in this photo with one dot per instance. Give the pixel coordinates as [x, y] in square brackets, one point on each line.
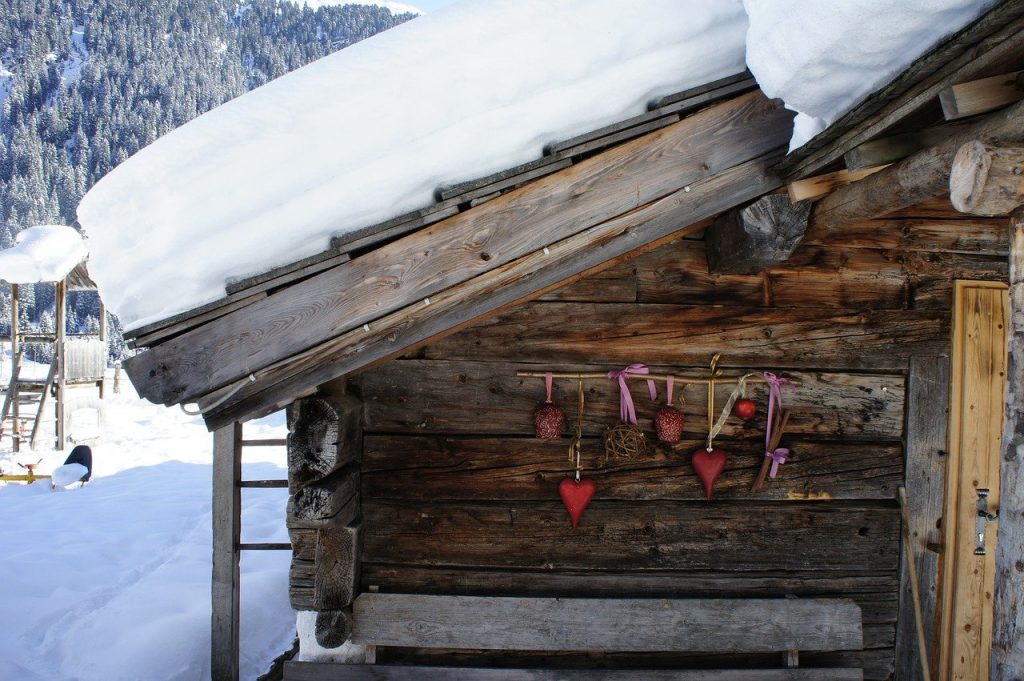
[1008, 615]
[12, 392]
[227, 501]
[103, 337]
[59, 350]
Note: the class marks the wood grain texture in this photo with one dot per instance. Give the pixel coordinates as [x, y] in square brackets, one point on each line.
[321, 671]
[638, 536]
[813, 188]
[981, 96]
[987, 180]
[464, 469]
[227, 529]
[563, 262]
[327, 502]
[721, 625]
[433, 396]
[424, 263]
[324, 434]
[978, 375]
[822, 338]
[927, 414]
[753, 238]
[889, 149]
[1008, 610]
[336, 582]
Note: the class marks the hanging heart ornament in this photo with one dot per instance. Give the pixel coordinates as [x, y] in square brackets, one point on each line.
[709, 465]
[576, 495]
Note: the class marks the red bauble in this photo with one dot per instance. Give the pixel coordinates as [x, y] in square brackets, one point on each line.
[745, 409]
[668, 423]
[576, 496]
[549, 421]
[709, 465]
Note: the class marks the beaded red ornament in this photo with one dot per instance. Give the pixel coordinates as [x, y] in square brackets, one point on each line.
[669, 421]
[548, 419]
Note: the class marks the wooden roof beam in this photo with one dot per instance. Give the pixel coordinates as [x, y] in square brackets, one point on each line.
[987, 180]
[917, 178]
[417, 267]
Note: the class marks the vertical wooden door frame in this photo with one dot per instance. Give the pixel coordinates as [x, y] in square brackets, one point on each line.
[227, 529]
[978, 378]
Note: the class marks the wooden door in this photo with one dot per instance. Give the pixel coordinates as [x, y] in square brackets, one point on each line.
[978, 380]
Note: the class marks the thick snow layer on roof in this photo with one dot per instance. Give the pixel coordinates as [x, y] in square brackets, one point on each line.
[822, 58]
[369, 132]
[44, 253]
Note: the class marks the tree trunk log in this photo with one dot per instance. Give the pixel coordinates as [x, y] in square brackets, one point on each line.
[758, 236]
[920, 177]
[324, 434]
[333, 627]
[322, 504]
[1008, 624]
[336, 583]
[987, 180]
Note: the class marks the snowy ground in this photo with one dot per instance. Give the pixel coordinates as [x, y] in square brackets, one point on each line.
[112, 581]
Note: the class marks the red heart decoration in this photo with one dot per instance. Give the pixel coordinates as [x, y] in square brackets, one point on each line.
[576, 496]
[709, 466]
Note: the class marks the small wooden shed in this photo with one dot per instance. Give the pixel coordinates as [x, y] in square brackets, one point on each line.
[427, 533]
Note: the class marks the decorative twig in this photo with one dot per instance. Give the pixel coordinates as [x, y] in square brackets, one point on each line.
[777, 432]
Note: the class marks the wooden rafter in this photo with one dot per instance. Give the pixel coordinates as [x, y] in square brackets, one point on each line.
[656, 169]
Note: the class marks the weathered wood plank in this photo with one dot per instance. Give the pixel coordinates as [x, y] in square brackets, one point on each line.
[227, 529]
[834, 339]
[875, 593]
[927, 411]
[724, 625]
[473, 242]
[984, 236]
[463, 191]
[152, 334]
[1008, 607]
[436, 468]
[595, 249]
[426, 396]
[281, 276]
[614, 285]
[978, 377]
[982, 95]
[651, 535]
[987, 46]
[320, 671]
[356, 240]
[713, 89]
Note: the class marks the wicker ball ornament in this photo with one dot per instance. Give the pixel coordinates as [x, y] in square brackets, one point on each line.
[625, 441]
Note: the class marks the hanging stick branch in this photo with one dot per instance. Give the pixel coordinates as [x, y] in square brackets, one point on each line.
[782, 419]
[587, 375]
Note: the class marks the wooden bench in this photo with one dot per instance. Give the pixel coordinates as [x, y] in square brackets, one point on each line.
[607, 625]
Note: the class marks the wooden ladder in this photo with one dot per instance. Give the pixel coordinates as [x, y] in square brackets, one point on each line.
[21, 393]
[227, 543]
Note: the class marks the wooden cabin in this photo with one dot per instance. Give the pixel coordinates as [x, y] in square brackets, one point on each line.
[428, 537]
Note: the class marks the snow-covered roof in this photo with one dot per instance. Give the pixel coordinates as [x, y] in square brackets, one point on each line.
[44, 253]
[371, 131]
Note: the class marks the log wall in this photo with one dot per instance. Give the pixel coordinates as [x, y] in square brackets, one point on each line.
[457, 497]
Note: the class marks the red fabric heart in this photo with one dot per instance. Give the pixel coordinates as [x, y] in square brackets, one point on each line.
[709, 466]
[576, 496]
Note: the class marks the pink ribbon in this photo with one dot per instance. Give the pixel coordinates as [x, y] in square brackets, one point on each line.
[548, 378]
[778, 458]
[779, 455]
[627, 412]
[670, 383]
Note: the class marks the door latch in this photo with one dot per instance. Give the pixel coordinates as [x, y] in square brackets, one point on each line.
[984, 517]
